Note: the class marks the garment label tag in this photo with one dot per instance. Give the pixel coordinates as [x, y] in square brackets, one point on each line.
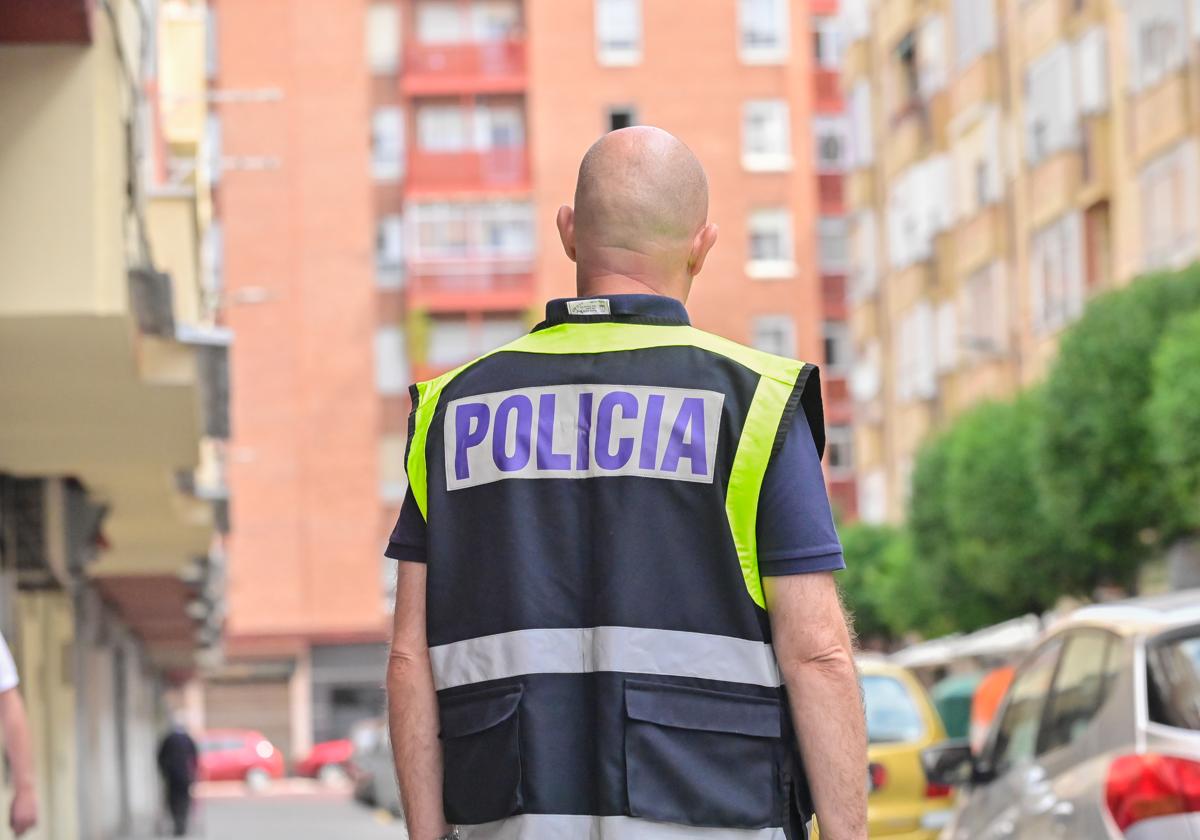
[591, 306]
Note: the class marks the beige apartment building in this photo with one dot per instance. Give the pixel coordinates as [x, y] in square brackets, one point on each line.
[1009, 160]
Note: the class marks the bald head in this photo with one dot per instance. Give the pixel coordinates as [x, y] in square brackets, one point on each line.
[639, 188]
[641, 201]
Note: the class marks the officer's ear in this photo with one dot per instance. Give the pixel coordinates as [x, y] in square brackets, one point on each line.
[566, 230]
[702, 243]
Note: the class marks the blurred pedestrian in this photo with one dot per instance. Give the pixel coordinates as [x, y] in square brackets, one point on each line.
[177, 759]
[640, 637]
[18, 746]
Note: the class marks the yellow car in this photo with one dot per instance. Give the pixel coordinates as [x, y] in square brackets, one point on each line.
[901, 721]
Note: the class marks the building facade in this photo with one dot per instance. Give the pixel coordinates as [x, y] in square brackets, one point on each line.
[1009, 160]
[390, 174]
[112, 500]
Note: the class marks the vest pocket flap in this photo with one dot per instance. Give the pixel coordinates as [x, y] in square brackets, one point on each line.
[476, 712]
[685, 707]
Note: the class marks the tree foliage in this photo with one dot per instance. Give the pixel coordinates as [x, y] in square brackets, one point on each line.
[1097, 459]
[866, 548]
[1173, 415]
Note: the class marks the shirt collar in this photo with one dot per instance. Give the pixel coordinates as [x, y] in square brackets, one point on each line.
[626, 309]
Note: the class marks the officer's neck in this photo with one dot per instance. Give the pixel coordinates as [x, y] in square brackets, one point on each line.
[598, 280]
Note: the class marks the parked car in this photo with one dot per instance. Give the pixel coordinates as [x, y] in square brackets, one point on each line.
[228, 755]
[901, 722]
[1098, 735]
[328, 761]
[374, 773]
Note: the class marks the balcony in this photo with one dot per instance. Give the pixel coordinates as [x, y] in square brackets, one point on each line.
[827, 92]
[824, 8]
[490, 170]
[46, 21]
[448, 69]
[980, 239]
[471, 284]
[831, 193]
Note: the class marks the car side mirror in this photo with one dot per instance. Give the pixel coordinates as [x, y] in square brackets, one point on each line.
[950, 763]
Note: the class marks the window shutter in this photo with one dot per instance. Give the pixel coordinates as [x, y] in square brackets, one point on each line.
[1091, 66]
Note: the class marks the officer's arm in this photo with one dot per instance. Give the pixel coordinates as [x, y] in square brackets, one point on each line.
[812, 643]
[19, 748]
[413, 711]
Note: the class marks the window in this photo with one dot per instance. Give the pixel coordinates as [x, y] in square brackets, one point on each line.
[212, 51]
[454, 230]
[1169, 187]
[619, 31]
[1173, 685]
[775, 334]
[1091, 63]
[833, 245]
[212, 140]
[837, 346]
[442, 128]
[495, 20]
[946, 319]
[1157, 41]
[496, 332]
[1079, 689]
[1056, 274]
[873, 497]
[839, 451]
[770, 244]
[1017, 733]
[974, 30]
[440, 22]
[854, 18]
[763, 29]
[623, 117]
[831, 146]
[499, 125]
[387, 143]
[985, 308]
[892, 716]
[865, 381]
[391, 364]
[860, 128]
[977, 164]
[864, 249]
[827, 42]
[920, 205]
[1051, 114]
[389, 251]
[383, 37]
[931, 57]
[213, 262]
[915, 355]
[449, 341]
[766, 135]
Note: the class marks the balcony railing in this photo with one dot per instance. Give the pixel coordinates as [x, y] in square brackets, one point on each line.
[471, 284]
[490, 169]
[827, 90]
[831, 193]
[486, 66]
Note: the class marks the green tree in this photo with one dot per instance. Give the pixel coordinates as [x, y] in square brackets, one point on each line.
[866, 548]
[1096, 457]
[1003, 543]
[1173, 414]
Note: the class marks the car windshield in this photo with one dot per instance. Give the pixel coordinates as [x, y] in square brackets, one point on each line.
[892, 716]
[1174, 685]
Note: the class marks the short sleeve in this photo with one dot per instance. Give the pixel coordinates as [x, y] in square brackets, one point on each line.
[796, 534]
[409, 537]
[8, 669]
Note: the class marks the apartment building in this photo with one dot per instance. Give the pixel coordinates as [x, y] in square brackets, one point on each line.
[112, 501]
[1009, 159]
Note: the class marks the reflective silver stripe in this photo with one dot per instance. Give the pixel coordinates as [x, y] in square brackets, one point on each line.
[586, 650]
[573, 827]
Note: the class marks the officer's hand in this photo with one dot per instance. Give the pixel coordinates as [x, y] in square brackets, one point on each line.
[23, 815]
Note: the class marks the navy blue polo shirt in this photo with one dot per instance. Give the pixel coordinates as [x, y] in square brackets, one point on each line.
[796, 534]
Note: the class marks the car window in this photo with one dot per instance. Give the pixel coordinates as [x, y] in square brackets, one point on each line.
[892, 715]
[1016, 736]
[1079, 688]
[1174, 684]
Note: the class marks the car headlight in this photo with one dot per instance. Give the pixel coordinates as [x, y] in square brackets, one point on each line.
[264, 749]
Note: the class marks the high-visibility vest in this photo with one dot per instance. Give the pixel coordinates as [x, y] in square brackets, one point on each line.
[596, 621]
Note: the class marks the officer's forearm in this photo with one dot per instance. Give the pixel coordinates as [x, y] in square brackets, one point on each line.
[413, 716]
[15, 726]
[413, 710]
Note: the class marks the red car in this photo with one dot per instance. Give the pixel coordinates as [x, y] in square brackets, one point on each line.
[232, 755]
[328, 760]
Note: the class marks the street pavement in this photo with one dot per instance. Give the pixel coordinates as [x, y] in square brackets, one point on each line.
[295, 814]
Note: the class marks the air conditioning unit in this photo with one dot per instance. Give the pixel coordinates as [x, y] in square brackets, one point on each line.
[49, 530]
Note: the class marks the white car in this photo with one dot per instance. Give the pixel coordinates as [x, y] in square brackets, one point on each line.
[1098, 736]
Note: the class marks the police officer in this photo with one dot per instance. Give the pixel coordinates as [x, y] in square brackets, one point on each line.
[615, 611]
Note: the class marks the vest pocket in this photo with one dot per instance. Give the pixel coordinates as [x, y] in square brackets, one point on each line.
[481, 745]
[702, 757]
